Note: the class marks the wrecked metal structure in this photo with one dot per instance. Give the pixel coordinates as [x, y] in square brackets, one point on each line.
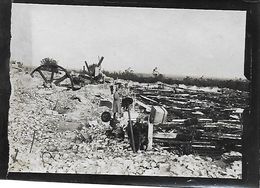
[53, 73]
[92, 74]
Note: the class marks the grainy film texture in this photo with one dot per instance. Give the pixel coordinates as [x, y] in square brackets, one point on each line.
[127, 91]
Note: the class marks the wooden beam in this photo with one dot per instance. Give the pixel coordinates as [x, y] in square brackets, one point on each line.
[150, 136]
[148, 99]
[147, 108]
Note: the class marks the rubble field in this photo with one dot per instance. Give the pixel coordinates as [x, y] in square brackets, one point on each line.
[56, 130]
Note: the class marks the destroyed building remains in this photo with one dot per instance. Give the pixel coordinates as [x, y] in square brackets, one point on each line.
[59, 130]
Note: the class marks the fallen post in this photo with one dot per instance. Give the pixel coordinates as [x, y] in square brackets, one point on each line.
[150, 136]
[32, 140]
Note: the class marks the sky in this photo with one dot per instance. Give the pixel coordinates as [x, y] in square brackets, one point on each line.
[180, 42]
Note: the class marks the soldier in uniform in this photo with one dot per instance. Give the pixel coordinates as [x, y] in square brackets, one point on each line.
[116, 103]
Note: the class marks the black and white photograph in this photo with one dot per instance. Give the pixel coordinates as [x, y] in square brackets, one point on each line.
[127, 91]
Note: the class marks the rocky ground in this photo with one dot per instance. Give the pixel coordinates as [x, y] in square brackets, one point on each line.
[55, 130]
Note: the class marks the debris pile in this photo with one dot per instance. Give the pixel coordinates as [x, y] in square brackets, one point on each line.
[199, 120]
[56, 130]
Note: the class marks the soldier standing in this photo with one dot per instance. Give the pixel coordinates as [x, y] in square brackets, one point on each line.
[116, 102]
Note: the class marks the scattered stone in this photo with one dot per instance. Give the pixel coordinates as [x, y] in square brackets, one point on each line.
[69, 128]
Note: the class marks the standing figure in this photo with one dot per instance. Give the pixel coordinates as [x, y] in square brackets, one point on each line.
[116, 102]
[111, 89]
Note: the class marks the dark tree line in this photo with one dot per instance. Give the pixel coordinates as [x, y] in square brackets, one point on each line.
[236, 84]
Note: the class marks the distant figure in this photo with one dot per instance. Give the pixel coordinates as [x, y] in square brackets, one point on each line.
[155, 71]
[116, 103]
[111, 89]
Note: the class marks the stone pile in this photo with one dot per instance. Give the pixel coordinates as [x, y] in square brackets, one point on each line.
[56, 130]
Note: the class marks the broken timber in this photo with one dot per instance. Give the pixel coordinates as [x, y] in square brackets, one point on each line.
[146, 107]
